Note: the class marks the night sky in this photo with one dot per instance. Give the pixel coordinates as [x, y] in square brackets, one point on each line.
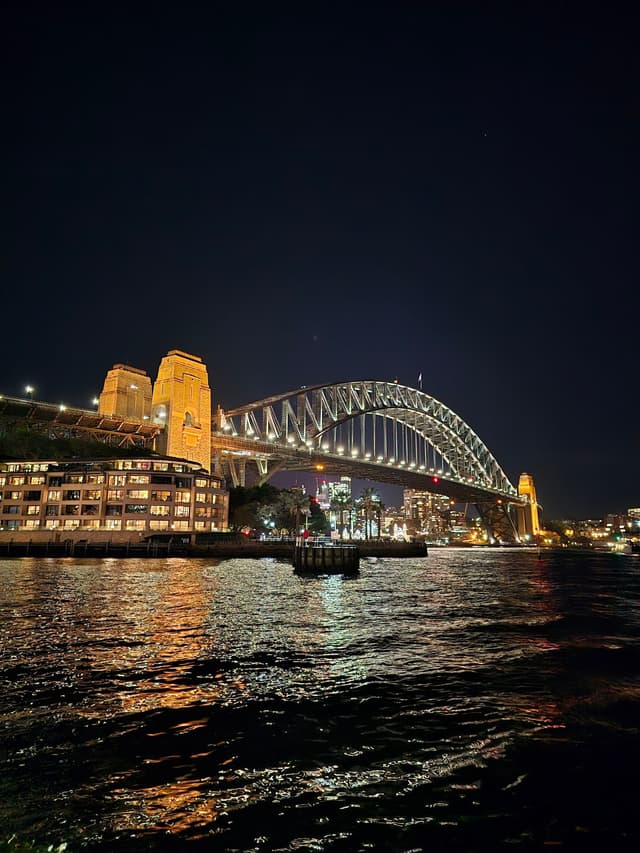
[346, 192]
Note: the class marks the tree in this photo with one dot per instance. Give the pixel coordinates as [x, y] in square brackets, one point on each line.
[318, 522]
[290, 506]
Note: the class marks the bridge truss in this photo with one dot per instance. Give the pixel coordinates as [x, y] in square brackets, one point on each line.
[374, 430]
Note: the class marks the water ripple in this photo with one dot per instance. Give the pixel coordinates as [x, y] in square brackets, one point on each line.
[472, 700]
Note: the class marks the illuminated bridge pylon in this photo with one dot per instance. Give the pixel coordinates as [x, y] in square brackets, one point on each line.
[373, 430]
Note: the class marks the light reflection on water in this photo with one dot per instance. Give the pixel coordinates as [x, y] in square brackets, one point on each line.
[418, 706]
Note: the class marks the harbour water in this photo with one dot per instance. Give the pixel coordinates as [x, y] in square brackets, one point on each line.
[472, 700]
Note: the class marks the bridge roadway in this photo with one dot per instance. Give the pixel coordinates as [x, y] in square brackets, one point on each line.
[272, 459]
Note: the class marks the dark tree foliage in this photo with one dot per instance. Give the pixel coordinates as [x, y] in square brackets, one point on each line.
[252, 507]
[28, 444]
[245, 503]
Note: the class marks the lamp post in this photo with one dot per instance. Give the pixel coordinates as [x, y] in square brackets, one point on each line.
[29, 389]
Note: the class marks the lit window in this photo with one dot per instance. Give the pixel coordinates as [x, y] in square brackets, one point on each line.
[113, 524]
[183, 497]
[55, 495]
[33, 510]
[160, 510]
[135, 524]
[139, 494]
[139, 478]
[182, 511]
[158, 525]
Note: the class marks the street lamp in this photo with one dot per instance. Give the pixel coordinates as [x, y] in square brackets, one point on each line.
[29, 389]
[95, 401]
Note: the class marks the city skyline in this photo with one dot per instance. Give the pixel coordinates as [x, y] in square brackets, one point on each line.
[311, 198]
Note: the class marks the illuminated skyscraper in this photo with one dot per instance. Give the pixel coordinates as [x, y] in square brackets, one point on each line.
[428, 513]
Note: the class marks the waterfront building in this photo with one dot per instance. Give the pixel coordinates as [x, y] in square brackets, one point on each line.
[138, 496]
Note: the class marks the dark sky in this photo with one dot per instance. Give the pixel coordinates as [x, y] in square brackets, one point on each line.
[347, 192]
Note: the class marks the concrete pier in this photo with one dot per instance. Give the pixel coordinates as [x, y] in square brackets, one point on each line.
[322, 557]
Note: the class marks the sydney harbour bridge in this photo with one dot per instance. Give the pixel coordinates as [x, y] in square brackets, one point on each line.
[368, 429]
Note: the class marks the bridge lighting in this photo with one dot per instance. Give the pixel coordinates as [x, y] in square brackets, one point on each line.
[62, 407]
[325, 446]
[340, 449]
[290, 439]
[95, 402]
[29, 389]
[435, 479]
[422, 467]
[367, 456]
[380, 458]
[226, 427]
[354, 452]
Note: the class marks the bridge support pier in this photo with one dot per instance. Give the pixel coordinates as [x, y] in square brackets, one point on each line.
[497, 518]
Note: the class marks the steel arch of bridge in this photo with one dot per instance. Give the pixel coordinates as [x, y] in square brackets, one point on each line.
[383, 423]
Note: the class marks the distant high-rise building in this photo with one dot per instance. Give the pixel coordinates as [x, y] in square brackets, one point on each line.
[426, 512]
[340, 487]
[322, 495]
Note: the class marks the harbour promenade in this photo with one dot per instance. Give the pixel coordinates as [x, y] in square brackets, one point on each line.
[182, 546]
